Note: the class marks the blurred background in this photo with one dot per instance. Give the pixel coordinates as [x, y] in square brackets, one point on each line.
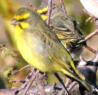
[9, 58]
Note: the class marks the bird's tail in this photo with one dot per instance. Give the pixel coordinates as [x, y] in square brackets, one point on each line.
[80, 75]
[83, 82]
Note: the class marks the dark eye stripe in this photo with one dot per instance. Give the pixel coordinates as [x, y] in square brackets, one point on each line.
[20, 26]
[21, 20]
[44, 13]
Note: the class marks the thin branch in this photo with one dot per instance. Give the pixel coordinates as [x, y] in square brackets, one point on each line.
[16, 71]
[49, 11]
[82, 61]
[96, 57]
[40, 84]
[72, 85]
[63, 6]
[90, 49]
[30, 82]
[91, 35]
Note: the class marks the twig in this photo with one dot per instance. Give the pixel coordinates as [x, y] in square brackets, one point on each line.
[49, 11]
[96, 57]
[72, 85]
[82, 61]
[96, 22]
[91, 35]
[63, 6]
[40, 85]
[24, 83]
[20, 81]
[62, 92]
[30, 82]
[90, 49]
[16, 71]
[91, 17]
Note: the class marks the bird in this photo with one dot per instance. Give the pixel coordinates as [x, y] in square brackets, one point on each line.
[41, 48]
[91, 7]
[67, 31]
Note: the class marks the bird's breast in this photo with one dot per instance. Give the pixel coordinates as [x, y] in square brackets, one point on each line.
[34, 52]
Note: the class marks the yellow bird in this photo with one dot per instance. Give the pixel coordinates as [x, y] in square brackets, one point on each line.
[41, 48]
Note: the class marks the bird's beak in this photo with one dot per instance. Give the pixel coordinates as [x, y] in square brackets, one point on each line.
[14, 22]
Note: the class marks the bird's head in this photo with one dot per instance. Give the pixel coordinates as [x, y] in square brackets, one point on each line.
[24, 18]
